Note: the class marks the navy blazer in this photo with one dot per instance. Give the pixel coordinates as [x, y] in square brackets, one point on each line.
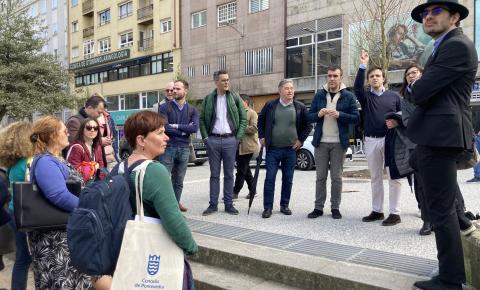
[346, 106]
[443, 117]
[266, 119]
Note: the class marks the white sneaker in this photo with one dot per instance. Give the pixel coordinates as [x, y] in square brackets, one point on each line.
[468, 231]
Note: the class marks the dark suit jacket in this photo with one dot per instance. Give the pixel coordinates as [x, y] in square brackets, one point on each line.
[443, 117]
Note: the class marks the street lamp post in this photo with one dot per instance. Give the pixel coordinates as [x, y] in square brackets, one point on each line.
[315, 51]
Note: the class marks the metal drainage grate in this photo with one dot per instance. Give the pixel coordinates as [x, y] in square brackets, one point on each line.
[374, 258]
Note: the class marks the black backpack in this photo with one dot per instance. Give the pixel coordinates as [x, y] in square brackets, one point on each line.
[95, 228]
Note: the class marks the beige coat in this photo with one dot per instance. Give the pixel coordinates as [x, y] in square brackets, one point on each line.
[249, 143]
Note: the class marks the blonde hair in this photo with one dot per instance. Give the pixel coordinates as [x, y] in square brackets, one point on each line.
[45, 132]
[15, 143]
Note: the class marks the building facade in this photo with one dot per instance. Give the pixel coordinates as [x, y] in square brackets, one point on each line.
[125, 50]
[245, 37]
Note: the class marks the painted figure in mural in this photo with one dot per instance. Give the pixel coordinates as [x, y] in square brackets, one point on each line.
[404, 48]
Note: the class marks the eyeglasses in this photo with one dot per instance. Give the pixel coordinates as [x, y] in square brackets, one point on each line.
[169, 91]
[91, 128]
[435, 11]
[413, 72]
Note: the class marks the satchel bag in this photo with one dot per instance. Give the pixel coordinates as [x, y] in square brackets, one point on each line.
[468, 159]
[33, 212]
[149, 259]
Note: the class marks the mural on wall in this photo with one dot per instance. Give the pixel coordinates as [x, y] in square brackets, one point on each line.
[406, 42]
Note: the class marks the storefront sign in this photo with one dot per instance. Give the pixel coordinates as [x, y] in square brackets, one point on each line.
[122, 54]
[119, 117]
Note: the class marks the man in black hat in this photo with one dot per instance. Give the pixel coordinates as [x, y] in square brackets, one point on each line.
[442, 127]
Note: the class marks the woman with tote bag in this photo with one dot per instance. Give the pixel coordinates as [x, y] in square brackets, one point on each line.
[147, 257]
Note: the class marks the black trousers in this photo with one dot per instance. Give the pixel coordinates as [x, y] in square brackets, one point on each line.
[243, 173]
[436, 167]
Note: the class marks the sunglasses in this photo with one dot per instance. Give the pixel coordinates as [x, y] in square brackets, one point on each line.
[91, 128]
[435, 11]
[169, 91]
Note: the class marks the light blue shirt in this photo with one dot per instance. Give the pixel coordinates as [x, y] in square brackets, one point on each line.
[285, 104]
[221, 125]
[437, 42]
[180, 107]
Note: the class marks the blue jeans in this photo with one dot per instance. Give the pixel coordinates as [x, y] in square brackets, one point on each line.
[221, 149]
[285, 158]
[175, 160]
[22, 258]
[476, 168]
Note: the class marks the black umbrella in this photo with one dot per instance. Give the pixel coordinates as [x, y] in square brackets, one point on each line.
[255, 178]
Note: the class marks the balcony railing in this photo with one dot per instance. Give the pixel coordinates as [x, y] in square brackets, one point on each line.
[145, 12]
[145, 44]
[87, 6]
[87, 32]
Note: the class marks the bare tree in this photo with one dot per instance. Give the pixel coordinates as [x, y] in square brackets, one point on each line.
[373, 24]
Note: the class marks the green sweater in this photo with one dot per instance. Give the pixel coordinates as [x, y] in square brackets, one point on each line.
[284, 133]
[17, 173]
[160, 202]
[236, 114]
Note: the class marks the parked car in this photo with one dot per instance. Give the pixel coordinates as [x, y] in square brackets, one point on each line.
[305, 155]
[198, 155]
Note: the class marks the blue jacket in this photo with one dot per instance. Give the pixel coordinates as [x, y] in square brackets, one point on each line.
[50, 175]
[266, 120]
[187, 120]
[346, 106]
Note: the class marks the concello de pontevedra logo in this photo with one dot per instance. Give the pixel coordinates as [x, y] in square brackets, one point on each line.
[153, 264]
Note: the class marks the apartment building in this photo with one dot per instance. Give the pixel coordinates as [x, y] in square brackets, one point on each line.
[244, 37]
[127, 50]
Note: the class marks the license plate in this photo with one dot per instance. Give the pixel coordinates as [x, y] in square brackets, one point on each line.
[201, 152]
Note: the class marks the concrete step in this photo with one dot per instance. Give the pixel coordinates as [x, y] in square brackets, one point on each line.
[255, 264]
[215, 278]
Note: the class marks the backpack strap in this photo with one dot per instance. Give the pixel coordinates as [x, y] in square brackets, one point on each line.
[70, 150]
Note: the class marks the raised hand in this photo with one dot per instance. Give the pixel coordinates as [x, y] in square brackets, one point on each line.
[364, 58]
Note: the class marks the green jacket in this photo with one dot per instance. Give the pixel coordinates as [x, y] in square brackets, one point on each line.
[237, 117]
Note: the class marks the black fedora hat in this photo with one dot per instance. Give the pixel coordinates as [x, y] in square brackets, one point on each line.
[452, 4]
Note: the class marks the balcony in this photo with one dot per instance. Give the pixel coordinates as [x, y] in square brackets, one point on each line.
[145, 15]
[87, 7]
[87, 32]
[145, 45]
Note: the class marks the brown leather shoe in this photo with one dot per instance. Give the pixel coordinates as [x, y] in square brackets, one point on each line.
[182, 208]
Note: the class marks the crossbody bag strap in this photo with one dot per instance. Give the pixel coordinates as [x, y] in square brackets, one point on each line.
[139, 177]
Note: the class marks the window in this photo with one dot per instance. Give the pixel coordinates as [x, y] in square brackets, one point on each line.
[74, 26]
[259, 61]
[257, 6]
[123, 73]
[132, 101]
[43, 6]
[125, 10]
[74, 3]
[222, 62]
[199, 19]
[148, 99]
[103, 76]
[104, 17]
[145, 69]
[301, 53]
[113, 75]
[78, 81]
[54, 28]
[75, 52]
[162, 62]
[104, 45]
[112, 103]
[227, 13]
[33, 10]
[54, 4]
[191, 72]
[166, 25]
[126, 39]
[206, 69]
[89, 48]
[133, 71]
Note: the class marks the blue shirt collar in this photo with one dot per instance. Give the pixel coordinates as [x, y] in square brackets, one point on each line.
[379, 92]
[180, 107]
[437, 42]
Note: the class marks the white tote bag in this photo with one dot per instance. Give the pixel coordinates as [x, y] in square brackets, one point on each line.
[149, 259]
